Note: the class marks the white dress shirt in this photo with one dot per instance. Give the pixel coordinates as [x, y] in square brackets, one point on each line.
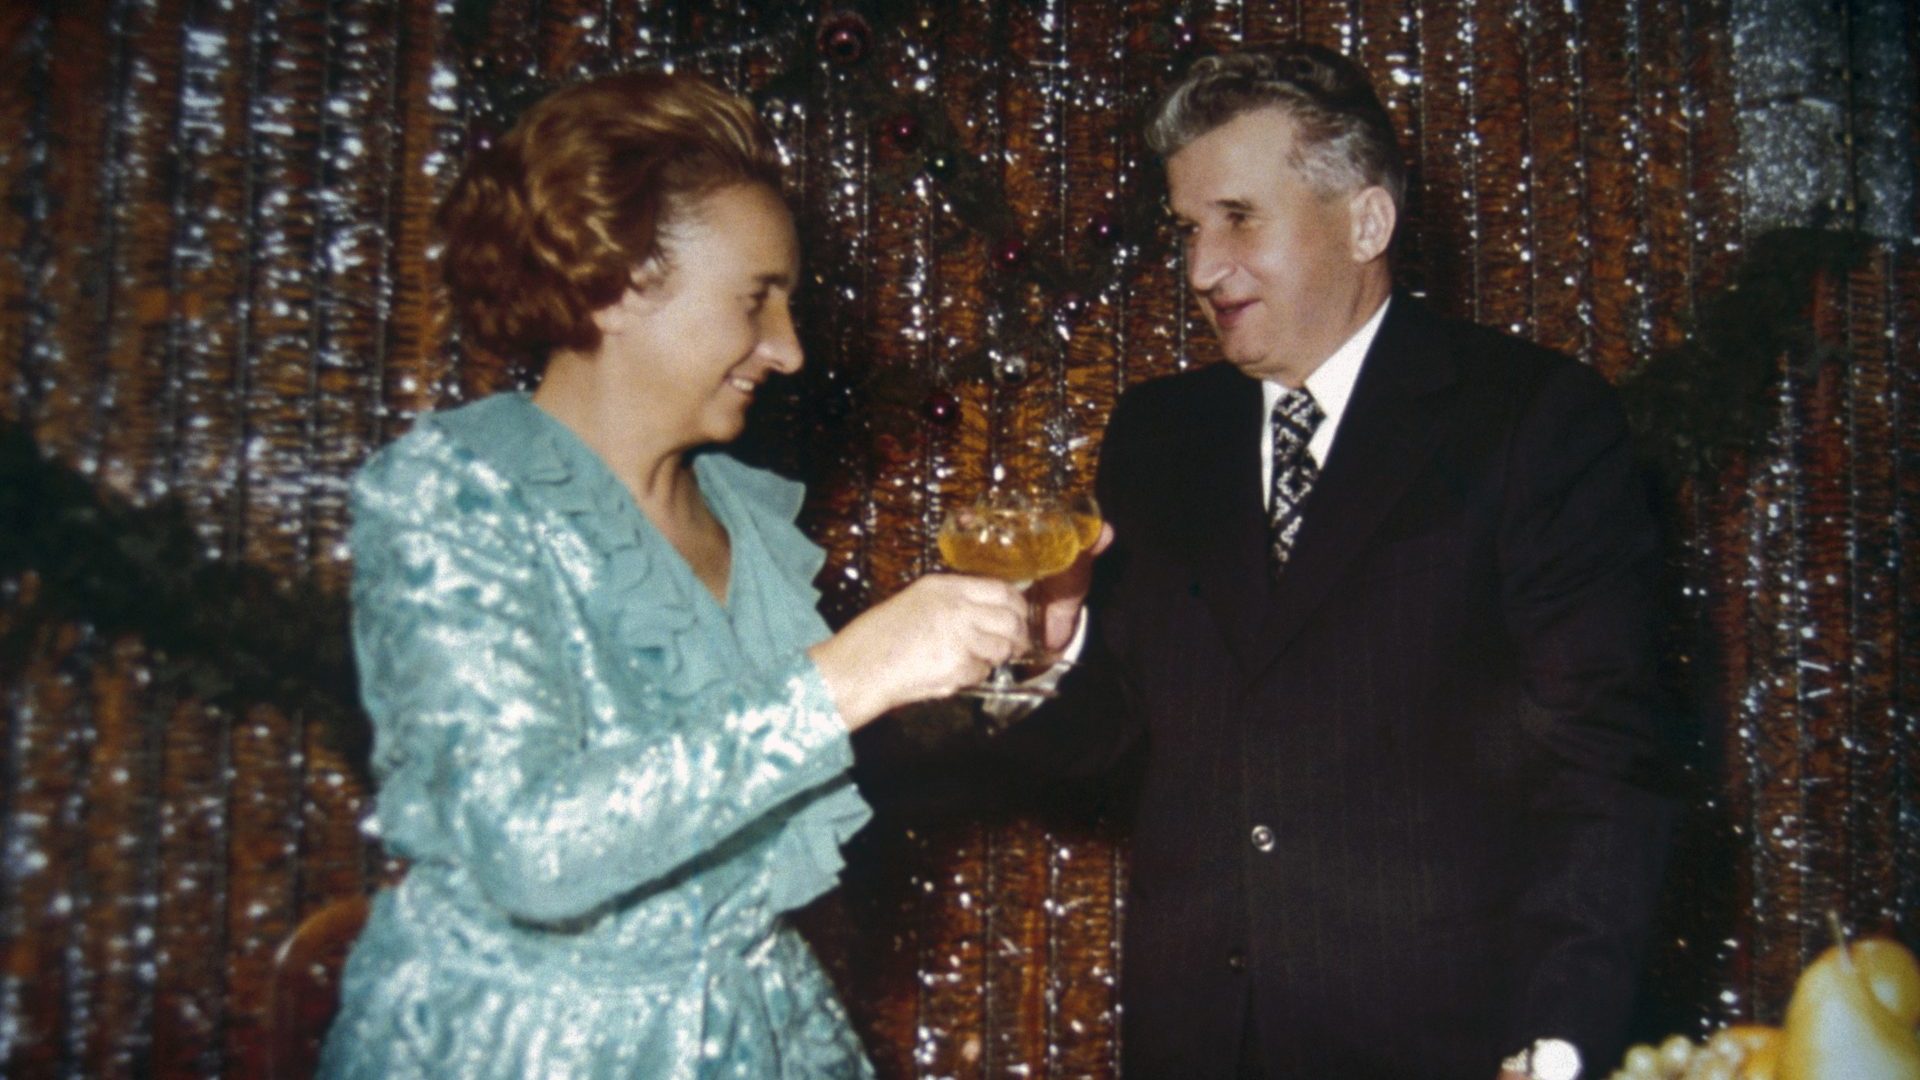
[1331, 384]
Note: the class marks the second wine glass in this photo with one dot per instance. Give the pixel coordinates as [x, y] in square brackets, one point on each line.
[1018, 537]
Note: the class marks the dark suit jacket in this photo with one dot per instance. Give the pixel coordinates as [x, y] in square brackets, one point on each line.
[1444, 717]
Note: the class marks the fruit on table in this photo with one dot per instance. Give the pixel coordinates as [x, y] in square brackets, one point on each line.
[1852, 1016]
[1755, 1047]
[1741, 1052]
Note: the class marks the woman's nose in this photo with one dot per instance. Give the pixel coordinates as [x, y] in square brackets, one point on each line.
[780, 344]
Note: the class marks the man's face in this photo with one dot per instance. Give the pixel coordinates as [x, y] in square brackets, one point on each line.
[1280, 270]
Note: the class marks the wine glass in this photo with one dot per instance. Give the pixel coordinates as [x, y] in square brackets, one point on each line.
[1085, 512]
[1019, 537]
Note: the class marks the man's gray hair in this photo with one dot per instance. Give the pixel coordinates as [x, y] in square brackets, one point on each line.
[1343, 139]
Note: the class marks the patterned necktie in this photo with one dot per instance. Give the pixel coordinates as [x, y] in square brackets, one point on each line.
[1295, 416]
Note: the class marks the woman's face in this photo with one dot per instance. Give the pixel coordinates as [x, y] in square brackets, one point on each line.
[695, 344]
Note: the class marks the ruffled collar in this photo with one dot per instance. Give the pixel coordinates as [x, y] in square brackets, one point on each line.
[655, 604]
[649, 593]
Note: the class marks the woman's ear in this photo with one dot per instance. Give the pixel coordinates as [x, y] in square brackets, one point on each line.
[643, 288]
[649, 275]
[615, 317]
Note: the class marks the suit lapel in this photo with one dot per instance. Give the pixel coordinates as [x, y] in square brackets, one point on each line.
[1217, 518]
[1383, 443]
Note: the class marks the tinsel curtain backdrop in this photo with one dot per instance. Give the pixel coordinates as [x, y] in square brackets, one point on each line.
[217, 298]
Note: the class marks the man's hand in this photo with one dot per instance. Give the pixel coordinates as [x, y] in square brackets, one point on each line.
[1057, 600]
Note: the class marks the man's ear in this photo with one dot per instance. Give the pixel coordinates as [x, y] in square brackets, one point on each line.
[1373, 217]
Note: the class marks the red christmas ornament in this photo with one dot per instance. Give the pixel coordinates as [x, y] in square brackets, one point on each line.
[902, 130]
[844, 37]
[941, 408]
[1010, 253]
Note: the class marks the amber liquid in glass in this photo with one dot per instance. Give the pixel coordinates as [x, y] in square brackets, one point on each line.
[1019, 540]
[1018, 547]
[1087, 526]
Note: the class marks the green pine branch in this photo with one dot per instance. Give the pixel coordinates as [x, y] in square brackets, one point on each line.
[227, 633]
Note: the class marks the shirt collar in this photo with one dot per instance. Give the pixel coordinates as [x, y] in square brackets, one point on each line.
[1331, 384]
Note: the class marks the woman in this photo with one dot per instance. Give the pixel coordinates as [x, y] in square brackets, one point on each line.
[611, 729]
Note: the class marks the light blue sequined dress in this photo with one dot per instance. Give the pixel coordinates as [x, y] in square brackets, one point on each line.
[609, 786]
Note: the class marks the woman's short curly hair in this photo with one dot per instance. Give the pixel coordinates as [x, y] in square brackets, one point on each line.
[1344, 140]
[551, 223]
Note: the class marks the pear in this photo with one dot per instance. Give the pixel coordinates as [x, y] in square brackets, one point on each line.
[1763, 1057]
[1852, 1016]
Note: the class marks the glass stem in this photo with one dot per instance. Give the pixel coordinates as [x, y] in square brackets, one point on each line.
[1036, 627]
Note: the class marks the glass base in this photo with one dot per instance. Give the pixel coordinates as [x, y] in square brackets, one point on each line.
[1011, 692]
[1001, 685]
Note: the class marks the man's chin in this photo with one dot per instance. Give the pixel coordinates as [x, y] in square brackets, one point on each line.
[1240, 349]
[1253, 367]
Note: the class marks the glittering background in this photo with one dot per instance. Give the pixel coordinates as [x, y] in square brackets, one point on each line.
[216, 288]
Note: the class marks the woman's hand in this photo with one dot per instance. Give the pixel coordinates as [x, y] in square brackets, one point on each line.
[927, 641]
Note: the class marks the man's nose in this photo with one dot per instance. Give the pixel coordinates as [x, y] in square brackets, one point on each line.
[1206, 267]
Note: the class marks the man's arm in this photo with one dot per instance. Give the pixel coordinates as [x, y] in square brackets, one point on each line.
[1088, 726]
[1579, 563]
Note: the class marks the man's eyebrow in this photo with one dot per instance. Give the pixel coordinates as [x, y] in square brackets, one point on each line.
[1231, 205]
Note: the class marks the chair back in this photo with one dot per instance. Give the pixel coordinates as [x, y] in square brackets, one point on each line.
[305, 989]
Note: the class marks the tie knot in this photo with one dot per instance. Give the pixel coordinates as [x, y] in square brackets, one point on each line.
[1295, 417]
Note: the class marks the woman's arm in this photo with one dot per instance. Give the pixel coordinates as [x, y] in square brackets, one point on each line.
[482, 729]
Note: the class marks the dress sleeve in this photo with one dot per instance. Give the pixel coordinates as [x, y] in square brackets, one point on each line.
[481, 728]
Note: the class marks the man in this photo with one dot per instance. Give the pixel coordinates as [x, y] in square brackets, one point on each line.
[1379, 614]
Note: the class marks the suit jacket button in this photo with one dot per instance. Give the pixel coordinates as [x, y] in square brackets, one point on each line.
[1262, 838]
[1236, 961]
